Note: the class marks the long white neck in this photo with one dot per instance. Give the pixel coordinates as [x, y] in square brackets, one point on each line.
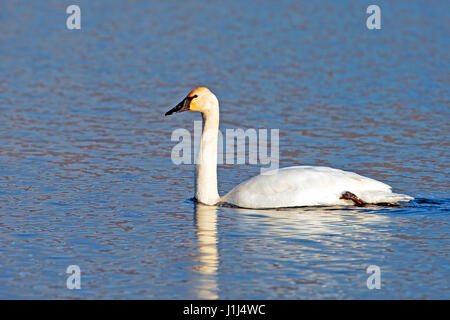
[206, 175]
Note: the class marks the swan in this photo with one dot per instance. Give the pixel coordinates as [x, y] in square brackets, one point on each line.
[286, 187]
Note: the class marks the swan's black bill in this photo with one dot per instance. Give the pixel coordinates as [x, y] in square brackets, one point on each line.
[182, 106]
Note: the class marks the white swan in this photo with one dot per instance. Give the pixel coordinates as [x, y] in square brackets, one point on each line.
[286, 187]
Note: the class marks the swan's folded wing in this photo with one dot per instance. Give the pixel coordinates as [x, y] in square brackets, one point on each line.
[302, 186]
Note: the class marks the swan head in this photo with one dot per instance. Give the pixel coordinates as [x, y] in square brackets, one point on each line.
[200, 99]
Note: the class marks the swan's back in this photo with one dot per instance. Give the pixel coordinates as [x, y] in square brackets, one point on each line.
[308, 186]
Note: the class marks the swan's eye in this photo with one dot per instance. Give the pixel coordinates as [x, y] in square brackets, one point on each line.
[194, 96]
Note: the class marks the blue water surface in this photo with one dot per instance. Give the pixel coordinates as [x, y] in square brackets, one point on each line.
[86, 176]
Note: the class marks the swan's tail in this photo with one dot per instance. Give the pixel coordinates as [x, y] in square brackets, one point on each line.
[384, 197]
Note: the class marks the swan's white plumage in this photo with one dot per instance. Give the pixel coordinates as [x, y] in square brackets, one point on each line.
[287, 187]
[308, 186]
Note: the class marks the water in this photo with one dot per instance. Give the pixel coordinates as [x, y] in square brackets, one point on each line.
[85, 170]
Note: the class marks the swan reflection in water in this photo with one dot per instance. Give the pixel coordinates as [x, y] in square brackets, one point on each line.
[206, 231]
[311, 226]
[310, 222]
